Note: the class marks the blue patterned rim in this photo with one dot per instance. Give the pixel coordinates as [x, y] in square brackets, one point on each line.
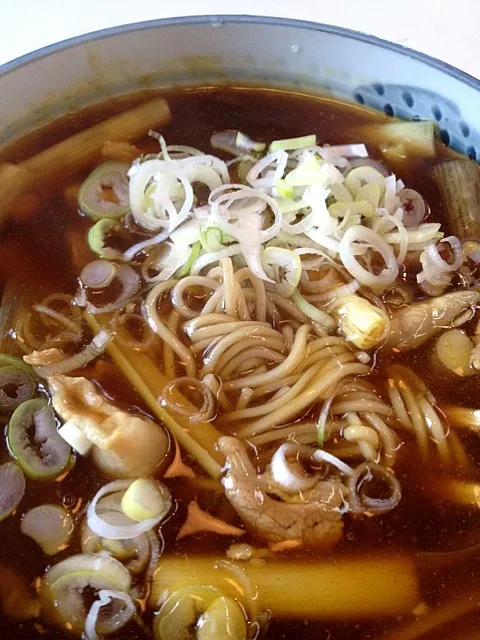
[467, 79]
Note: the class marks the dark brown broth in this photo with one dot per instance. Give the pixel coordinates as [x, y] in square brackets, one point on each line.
[38, 249]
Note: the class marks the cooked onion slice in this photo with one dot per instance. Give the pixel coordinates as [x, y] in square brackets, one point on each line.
[12, 488]
[289, 474]
[89, 353]
[358, 485]
[130, 282]
[119, 619]
[50, 526]
[123, 532]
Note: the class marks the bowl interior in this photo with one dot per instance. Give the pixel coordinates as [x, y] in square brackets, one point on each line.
[242, 50]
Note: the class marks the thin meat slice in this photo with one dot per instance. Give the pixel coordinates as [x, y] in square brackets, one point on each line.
[316, 523]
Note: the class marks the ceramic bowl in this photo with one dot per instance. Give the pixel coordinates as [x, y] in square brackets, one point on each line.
[240, 49]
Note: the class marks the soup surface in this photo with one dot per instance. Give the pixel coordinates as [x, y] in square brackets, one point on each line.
[348, 510]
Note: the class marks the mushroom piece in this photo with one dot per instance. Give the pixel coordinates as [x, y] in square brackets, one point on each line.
[317, 522]
[411, 326]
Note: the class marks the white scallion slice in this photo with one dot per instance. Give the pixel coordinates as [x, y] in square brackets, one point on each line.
[285, 190]
[360, 321]
[323, 456]
[345, 150]
[143, 500]
[361, 176]
[50, 525]
[194, 253]
[105, 597]
[316, 315]
[340, 192]
[187, 233]
[287, 261]
[105, 530]
[211, 239]
[371, 193]
[289, 474]
[312, 170]
[341, 209]
[75, 438]
[453, 349]
[289, 144]
[359, 234]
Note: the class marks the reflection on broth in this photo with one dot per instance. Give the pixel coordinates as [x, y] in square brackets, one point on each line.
[238, 372]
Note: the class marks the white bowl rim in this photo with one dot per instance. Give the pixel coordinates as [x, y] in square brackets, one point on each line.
[22, 61]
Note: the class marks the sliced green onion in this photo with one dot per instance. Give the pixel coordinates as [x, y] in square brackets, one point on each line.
[306, 173]
[453, 349]
[369, 192]
[187, 233]
[340, 209]
[50, 525]
[290, 263]
[180, 612]
[317, 315]
[8, 360]
[211, 239]
[104, 194]
[34, 441]
[289, 144]
[322, 421]
[100, 524]
[98, 274]
[224, 619]
[285, 190]
[235, 142]
[245, 142]
[75, 438]
[361, 176]
[16, 386]
[63, 586]
[288, 205]
[243, 168]
[424, 233]
[341, 193]
[143, 500]
[97, 236]
[194, 253]
[12, 488]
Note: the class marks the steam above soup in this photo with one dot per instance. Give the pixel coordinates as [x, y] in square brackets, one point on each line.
[238, 374]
